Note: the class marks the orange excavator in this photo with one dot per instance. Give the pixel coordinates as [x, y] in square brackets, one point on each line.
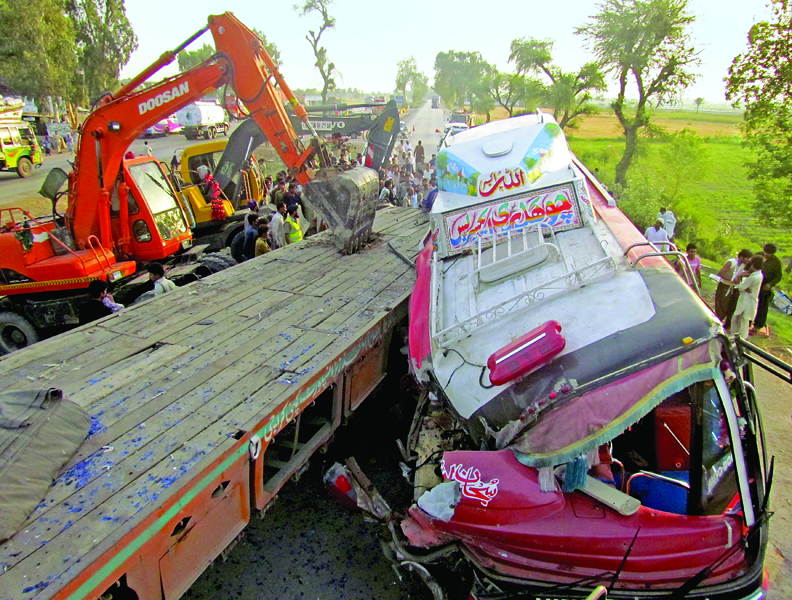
[124, 212]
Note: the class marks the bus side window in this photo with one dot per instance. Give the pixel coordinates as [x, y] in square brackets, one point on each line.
[5, 136]
[718, 478]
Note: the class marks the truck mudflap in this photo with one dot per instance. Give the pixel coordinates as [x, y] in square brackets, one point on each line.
[347, 202]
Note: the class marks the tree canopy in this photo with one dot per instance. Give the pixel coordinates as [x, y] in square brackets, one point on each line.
[67, 49]
[104, 41]
[646, 47]
[409, 75]
[760, 80]
[323, 64]
[568, 95]
[192, 58]
[456, 76]
[37, 53]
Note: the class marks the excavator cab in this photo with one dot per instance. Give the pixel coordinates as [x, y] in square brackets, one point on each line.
[155, 221]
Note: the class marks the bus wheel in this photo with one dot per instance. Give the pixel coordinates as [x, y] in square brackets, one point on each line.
[15, 332]
[24, 167]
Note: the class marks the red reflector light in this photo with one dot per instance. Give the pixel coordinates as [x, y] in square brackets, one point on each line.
[526, 353]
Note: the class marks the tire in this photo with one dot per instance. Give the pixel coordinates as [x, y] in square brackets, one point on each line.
[16, 332]
[24, 167]
[226, 127]
[214, 263]
[212, 133]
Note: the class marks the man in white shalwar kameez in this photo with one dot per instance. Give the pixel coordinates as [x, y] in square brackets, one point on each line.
[748, 300]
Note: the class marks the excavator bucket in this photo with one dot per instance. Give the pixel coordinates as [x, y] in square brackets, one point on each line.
[347, 202]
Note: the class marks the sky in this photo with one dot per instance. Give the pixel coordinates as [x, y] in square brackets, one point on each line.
[370, 37]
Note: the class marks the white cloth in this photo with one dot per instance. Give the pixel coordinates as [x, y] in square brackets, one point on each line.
[657, 236]
[741, 325]
[148, 150]
[732, 262]
[748, 300]
[669, 222]
[277, 231]
[740, 268]
[414, 200]
[163, 285]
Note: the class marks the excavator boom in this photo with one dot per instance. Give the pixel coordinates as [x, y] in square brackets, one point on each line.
[241, 61]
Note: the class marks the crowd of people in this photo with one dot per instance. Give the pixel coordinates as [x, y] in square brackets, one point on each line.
[408, 179]
[745, 290]
[57, 143]
[745, 282]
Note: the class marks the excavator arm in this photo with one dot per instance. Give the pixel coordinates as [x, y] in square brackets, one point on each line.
[108, 132]
[241, 61]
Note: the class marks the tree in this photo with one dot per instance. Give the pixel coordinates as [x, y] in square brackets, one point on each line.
[686, 160]
[643, 42]
[456, 74]
[38, 56]
[759, 80]
[409, 75]
[192, 58]
[420, 87]
[699, 102]
[567, 94]
[105, 41]
[270, 47]
[505, 89]
[407, 69]
[326, 68]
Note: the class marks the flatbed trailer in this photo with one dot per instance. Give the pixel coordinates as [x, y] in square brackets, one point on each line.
[204, 402]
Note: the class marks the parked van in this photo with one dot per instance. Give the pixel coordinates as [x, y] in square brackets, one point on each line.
[19, 150]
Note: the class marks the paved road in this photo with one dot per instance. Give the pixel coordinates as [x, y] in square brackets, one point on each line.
[426, 121]
[13, 187]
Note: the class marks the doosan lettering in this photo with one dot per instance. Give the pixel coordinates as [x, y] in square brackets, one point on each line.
[163, 98]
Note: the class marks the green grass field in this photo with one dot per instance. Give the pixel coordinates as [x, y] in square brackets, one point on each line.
[724, 193]
[723, 197]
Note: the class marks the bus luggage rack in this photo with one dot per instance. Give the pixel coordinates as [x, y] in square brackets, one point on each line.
[568, 281]
[529, 253]
[688, 270]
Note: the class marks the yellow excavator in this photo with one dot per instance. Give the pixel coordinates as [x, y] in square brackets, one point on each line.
[247, 184]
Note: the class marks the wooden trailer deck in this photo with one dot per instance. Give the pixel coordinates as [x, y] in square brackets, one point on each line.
[181, 388]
